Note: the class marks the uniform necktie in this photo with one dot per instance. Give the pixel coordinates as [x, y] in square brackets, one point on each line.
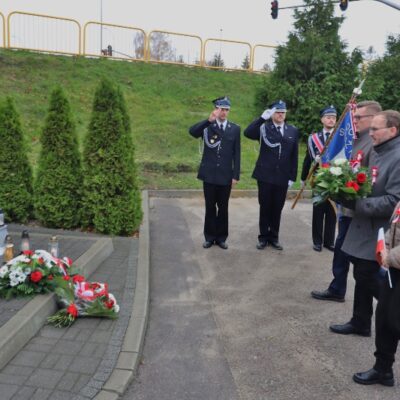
[326, 136]
[222, 127]
[279, 130]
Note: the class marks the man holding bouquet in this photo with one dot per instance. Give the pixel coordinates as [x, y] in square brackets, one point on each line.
[323, 216]
[363, 115]
[370, 214]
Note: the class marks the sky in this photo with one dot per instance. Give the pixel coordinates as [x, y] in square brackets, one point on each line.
[367, 22]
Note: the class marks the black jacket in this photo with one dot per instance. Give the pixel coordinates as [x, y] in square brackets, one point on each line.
[276, 165]
[220, 163]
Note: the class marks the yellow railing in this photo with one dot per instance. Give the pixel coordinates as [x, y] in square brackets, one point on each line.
[3, 28]
[108, 35]
[45, 39]
[223, 41]
[121, 42]
[171, 58]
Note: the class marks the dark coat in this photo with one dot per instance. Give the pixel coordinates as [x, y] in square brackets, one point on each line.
[275, 165]
[221, 164]
[374, 211]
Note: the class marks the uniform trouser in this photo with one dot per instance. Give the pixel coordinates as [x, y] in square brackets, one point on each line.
[216, 219]
[368, 281]
[323, 224]
[271, 199]
[341, 261]
[386, 339]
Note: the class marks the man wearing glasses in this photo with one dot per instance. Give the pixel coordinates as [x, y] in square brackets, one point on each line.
[336, 291]
[370, 214]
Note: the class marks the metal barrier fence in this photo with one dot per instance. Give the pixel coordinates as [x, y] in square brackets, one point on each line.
[3, 30]
[50, 34]
[43, 33]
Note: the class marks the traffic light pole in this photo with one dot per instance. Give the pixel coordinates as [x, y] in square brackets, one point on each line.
[389, 3]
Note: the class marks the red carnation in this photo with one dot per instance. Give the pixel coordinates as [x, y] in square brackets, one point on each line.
[50, 277]
[40, 260]
[27, 252]
[78, 278]
[349, 184]
[71, 309]
[356, 186]
[325, 165]
[36, 276]
[109, 304]
[66, 277]
[361, 177]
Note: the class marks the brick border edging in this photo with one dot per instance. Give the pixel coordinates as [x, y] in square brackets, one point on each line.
[17, 331]
[129, 357]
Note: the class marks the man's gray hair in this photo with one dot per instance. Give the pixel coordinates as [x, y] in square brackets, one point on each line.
[392, 118]
[372, 106]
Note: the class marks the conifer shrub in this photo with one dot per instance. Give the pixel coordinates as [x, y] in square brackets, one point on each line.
[58, 185]
[111, 199]
[15, 172]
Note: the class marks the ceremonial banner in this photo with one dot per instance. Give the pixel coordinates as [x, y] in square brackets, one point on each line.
[342, 142]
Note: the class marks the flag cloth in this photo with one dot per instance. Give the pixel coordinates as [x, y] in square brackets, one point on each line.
[342, 142]
[380, 247]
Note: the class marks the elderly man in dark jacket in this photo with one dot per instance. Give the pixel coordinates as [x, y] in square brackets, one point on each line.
[219, 169]
[370, 214]
[275, 170]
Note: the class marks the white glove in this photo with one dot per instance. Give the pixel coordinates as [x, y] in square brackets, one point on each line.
[317, 158]
[267, 114]
[290, 183]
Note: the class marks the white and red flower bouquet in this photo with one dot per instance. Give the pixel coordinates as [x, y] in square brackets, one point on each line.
[341, 180]
[32, 272]
[79, 298]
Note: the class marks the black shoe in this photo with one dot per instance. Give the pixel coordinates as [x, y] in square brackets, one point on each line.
[223, 245]
[276, 245]
[329, 247]
[317, 247]
[327, 295]
[207, 244]
[347, 329]
[373, 376]
[261, 245]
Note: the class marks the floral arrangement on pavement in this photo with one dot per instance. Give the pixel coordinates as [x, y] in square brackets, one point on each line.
[342, 180]
[35, 272]
[79, 299]
[31, 273]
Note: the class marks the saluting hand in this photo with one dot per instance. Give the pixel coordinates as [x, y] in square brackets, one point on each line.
[214, 115]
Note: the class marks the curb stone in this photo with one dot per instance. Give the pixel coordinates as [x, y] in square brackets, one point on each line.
[129, 357]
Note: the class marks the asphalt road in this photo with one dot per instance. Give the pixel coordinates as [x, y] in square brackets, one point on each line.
[240, 323]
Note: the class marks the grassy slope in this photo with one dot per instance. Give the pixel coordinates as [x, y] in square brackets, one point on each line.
[163, 101]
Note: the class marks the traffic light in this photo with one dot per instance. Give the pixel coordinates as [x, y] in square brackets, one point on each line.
[343, 4]
[274, 9]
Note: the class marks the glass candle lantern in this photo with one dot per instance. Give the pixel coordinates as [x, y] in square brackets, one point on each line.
[25, 245]
[53, 246]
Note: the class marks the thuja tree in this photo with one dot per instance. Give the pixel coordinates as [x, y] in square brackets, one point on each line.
[15, 172]
[313, 68]
[58, 185]
[111, 202]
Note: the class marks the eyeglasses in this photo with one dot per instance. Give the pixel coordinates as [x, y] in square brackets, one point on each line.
[373, 129]
[358, 117]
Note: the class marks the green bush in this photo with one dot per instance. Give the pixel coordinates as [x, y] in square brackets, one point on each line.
[15, 171]
[111, 200]
[312, 69]
[58, 185]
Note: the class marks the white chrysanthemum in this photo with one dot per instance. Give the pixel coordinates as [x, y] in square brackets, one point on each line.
[336, 171]
[340, 161]
[3, 271]
[17, 275]
[13, 282]
[116, 308]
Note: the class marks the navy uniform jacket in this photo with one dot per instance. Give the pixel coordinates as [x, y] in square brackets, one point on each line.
[311, 152]
[220, 164]
[276, 165]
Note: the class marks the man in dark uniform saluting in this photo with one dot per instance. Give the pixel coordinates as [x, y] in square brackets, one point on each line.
[324, 215]
[276, 168]
[219, 169]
